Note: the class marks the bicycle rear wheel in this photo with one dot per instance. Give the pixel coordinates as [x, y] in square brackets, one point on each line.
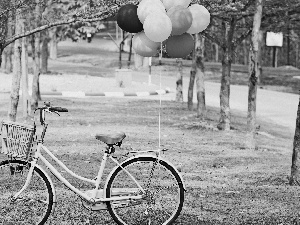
[164, 197]
[34, 204]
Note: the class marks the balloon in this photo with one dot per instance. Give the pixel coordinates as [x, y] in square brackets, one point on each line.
[201, 18]
[128, 20]
[157, 26]
[179, 46]
[170, 3]
[143, 46]
[181, 19]
[149, 6]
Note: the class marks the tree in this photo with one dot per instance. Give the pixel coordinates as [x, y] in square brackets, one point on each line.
[254, 75]
[53, 43]
[24, 63]
[192, 78]
[228, 30]
[295, 172]
[199, 62]
[179, 95]
[15, 88]
[73, 11]
[35, 95]
[44, 52]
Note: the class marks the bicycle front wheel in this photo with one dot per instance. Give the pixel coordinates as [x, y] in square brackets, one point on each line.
[34, 204]
[162, 202]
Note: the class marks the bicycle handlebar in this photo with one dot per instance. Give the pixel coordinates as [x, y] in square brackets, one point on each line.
[57, 109]
[50, 109]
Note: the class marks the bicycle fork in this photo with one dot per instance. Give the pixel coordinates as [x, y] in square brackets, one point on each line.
[29, 176]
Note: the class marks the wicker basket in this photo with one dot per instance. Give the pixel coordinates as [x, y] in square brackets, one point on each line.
[17, 139]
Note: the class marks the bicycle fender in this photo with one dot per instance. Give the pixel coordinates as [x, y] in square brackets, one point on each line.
[139, 156]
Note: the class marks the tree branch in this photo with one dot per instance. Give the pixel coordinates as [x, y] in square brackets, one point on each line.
[242, 37]
[109, 12]
[213, 39]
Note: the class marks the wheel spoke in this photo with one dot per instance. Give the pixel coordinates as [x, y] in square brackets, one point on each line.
[34, 204]
[161, 203]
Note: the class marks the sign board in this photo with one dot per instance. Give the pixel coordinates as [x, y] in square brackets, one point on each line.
[274, 39]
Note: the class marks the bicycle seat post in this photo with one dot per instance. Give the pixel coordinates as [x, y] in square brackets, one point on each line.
[110, 149]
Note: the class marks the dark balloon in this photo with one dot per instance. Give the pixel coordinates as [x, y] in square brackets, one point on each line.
[179, 46]
[128, 20]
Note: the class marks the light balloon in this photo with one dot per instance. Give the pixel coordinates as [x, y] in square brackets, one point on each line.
[143, 46]
[147, 7]
[170, 3]
[201, 18]
[181, 19]
[179, 46]
[157, 26]
[128, 20]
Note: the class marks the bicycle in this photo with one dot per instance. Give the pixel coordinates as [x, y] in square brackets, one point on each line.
[143, 189]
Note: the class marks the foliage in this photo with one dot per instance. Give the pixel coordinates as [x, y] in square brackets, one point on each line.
[56, 13]
[277, 15]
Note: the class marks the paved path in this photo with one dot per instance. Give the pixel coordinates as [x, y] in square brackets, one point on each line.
[278, 107]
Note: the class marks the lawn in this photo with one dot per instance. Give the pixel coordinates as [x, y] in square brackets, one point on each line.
[226, 183]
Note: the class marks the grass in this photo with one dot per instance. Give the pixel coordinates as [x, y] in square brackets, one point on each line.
[226, 183]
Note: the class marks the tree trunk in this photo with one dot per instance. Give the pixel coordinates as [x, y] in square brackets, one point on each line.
[245, 47]
[179, 95]
[288, 45]
[3, 60]
[199, 57]
[297, 54]
[120, 54]
[295, 172]
[192, 79]
[191, 86]
[246, 53]
[130, 52]
[15, 88]
[53, 43]
[8, 51]
[259, 56]
[35, 97]
[45, 52]
[224, 121]
[25, 93]
[253, 77]
[216, 52]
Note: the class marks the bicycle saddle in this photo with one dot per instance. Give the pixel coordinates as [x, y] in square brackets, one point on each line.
[112, 138]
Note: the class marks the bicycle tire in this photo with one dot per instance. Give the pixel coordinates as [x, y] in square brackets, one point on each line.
[128, 212]
[27, 209]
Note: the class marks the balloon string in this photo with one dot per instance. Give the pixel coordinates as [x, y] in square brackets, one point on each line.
[159, 111]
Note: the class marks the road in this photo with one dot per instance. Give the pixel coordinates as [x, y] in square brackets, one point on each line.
[278, 107]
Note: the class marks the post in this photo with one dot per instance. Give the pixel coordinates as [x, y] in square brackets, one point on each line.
[150, 63]
[275, 56]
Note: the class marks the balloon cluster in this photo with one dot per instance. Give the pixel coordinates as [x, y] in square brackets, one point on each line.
[170, 21]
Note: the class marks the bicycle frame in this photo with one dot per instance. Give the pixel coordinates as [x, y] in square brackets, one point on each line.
[91, 199]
